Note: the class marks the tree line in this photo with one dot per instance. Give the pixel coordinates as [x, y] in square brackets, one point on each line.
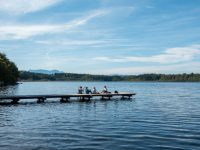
[9, 74]
[8, 71]
[28, 76]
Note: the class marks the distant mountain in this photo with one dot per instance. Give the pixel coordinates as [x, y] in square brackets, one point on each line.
[43, 71]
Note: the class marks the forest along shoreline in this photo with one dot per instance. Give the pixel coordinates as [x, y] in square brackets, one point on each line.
[30, 76]
[10, 75]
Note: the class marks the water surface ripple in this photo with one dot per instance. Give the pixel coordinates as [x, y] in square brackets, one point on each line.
[160, 116]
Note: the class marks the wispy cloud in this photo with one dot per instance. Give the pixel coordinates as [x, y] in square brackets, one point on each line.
[26, 31]
[73, 42]
[17, 7]
[173, 69]
[171, 55]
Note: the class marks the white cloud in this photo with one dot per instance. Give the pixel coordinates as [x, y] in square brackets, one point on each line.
[25, 6]
[23, 31]
[49, 61]
[73, 42]
[171, 55]
[26, 31]
[179, 68]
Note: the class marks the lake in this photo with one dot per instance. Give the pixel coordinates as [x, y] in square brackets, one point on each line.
[160, 116]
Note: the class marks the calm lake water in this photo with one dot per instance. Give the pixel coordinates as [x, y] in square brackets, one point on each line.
[160, 116]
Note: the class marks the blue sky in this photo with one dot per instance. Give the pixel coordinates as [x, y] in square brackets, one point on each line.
[102, 36]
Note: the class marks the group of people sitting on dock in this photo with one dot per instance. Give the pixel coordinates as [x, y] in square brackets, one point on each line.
[81, 90]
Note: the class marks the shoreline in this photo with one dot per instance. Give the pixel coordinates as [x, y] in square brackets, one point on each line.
[112, 81]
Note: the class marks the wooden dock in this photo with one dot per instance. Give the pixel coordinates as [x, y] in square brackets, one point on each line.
[65, 98]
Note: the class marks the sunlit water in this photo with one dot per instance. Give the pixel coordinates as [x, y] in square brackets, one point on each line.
[160, 116]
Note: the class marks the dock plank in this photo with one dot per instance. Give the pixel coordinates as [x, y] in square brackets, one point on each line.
[17, 98]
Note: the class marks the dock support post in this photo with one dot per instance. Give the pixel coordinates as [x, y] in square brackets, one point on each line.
[41, 100]
[81, 98]
[126, 97]
[15, 100]
[85, 98]
[64, 99]
[106, 97]
[89, 98]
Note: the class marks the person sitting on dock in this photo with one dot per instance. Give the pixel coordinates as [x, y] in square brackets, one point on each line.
[94, 91]
[80, 90]
[87, 91]
[105, 90]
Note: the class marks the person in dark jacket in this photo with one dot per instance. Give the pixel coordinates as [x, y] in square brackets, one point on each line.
[80, 90]
[87, 91]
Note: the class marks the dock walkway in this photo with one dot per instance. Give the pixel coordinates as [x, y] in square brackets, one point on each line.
[65, 98]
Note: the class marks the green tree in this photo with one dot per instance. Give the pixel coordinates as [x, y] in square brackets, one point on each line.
[8, 71]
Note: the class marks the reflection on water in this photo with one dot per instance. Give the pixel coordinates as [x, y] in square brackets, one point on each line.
[161, 116]
[8, 90]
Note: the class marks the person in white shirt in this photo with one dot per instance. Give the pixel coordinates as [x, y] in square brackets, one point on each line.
[94, 91]
[105, 90]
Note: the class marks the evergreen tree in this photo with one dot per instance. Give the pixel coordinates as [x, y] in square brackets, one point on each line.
[8, 71]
